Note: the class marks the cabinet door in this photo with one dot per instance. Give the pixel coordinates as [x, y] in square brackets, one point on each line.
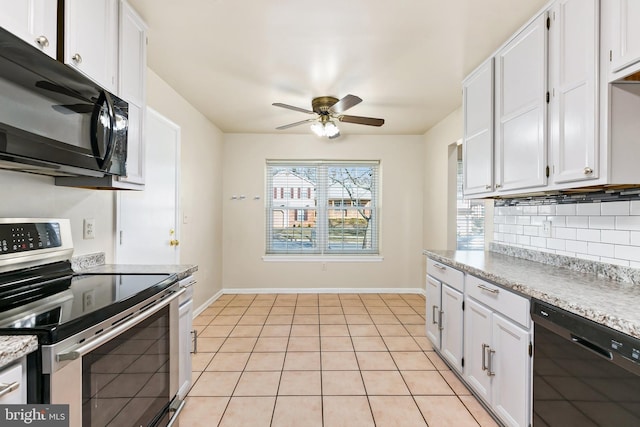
[477, 157]
[34, 21]
[477, 335]
[132, 56]
[184, 357]
[573, 110]
[452, 326]
[521, 70]
[135, 146]
[625, 27]
[16, 373]
[512, 366]
[433, 310]
[90, 39]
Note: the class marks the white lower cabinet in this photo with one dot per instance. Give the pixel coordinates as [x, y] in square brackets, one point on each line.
[497, 360]
[444, 321]
[13, 383]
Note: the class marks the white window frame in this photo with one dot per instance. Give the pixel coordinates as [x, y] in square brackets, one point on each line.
[322, 251]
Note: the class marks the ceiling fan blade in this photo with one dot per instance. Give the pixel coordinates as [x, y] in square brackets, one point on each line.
[344, 104]
[370, 121]
[290, 125]
[291, 107]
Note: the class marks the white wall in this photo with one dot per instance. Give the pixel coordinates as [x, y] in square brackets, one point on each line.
[200, 186]
[401, 212]
[439, 207]
[24, 195]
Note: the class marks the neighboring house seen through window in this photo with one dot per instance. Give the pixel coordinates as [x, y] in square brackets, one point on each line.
[324, 208]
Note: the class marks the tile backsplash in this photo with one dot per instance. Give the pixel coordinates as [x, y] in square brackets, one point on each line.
[608, 232]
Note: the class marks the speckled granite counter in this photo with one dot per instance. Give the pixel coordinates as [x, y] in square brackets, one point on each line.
[14, 347]
[605, 301]
[181, 271]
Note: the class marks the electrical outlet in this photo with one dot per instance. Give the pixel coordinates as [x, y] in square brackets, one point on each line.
[546, 228]
[88, 300]
[89, 229]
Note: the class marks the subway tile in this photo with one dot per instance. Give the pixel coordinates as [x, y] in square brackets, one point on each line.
[523, 240]
[530, 210]
[565, 233]
[615, 208]
[635, 238]
[538, 220]
[539, 242]
[498, 237]
[565, 253]
[634, 264]
[498, 219]
[511, 219]
[558, 221]
[618, 237]
[578, 221]
[631, 253]
[588, 235]
[547, 210]
[576, 246]
[566, 209]
[627, 223]
[588, 209]
[531, 230]
[558, 244]
[601, 249]
[602, 222]
[588, 257]
[523, 220]
[635, 207]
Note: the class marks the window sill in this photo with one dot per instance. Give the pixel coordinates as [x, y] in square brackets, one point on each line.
[323, 258]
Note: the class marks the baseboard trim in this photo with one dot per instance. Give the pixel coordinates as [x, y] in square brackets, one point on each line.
[207, 303]
[420, 291]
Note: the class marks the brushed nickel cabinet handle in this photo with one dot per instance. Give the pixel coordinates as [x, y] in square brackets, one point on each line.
[485, 288]
[6, 388]
[42, 41]
[490, 371]
[440, 315]
[588, 171]
[77, 58]
[433, 314]
[484, 357]
[440, 267]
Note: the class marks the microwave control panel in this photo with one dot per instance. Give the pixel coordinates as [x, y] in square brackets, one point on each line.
[25, 237]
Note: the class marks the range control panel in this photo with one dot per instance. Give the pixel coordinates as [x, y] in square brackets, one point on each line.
[25, 237]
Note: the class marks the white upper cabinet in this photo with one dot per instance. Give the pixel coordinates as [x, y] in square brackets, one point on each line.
[133, 55]
[624, 25]
[34, 21]
[520, 109]
[477, 145]
[573, 86]
[91, 39]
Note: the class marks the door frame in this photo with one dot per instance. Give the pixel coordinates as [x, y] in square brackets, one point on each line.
[150, 112]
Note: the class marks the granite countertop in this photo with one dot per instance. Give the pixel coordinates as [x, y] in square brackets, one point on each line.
[180, 270]
[603, 300]
[14, 347]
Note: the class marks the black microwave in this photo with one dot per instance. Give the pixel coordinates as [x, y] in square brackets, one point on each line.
[55, 121]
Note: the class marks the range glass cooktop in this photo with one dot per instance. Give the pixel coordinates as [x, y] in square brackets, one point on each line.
[79, 302]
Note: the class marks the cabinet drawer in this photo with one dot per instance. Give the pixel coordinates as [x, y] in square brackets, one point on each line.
[449, 275]
[11, 378]
[499, 299]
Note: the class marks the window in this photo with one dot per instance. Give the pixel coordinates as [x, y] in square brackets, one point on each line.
[335, 211]
[470, 219]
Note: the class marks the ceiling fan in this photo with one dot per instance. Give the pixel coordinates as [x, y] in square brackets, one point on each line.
[327, 110]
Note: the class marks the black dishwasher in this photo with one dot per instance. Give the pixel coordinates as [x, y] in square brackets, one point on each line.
[584, 374]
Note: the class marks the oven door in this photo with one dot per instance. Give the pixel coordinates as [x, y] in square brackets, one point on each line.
[125, 376]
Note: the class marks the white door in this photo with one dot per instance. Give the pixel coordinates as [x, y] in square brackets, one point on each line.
[452, 326]
[433, 310]
[477, 335]
[477, 101]
[573, 110]
[521, 87]
[512, 366]
[148, 230]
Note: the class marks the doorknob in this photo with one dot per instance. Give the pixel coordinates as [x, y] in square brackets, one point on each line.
[174, 242]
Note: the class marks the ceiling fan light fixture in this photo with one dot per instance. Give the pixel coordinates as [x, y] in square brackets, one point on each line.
[318, 129]
[331, 130]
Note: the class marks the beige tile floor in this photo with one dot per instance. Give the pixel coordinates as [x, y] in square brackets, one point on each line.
[326, 360]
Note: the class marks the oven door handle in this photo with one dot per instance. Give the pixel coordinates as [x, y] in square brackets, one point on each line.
[107, 336]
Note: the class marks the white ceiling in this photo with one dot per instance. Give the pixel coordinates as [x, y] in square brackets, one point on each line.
[405, 58]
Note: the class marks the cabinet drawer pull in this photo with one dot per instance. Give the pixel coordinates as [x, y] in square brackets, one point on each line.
[433, 314]
[6, 388]
[77, 58]
[588, 171]
[485, 288]
[440, 267]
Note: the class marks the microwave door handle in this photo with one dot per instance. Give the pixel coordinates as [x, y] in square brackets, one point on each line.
[101, 151]
[106, 163]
